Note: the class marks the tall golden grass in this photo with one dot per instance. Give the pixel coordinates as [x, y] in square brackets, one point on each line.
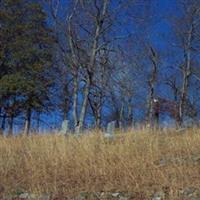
[65, 166]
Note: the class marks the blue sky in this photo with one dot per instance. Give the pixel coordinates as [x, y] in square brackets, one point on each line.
[159, 32]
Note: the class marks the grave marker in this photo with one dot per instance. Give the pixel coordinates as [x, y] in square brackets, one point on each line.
[110, 131]
[65, 127]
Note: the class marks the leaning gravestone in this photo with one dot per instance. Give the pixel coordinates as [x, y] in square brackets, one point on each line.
[110, 131]
[65, 127]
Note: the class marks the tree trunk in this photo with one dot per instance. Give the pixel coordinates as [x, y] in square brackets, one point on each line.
[27, 122]
[130, 113]
[38, 122]
[10, 125]
[184, 95]
[3, 123]
[75, 67]
[80, 123]
[99, 23]
[1, 131]
[75, 100]
[98, 26]
[121, 112]
[96, 110]
[152, 82]
[66, 108]
[186, 76]
[98, 118]
[150, 102]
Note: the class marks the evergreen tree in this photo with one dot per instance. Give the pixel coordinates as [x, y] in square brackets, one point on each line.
[25, 59]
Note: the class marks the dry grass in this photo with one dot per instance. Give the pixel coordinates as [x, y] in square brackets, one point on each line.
[67, 166]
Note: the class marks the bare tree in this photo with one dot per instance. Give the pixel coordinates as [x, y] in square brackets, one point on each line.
[187, 32]
[98, 22]
[154, 59]
[98, 92]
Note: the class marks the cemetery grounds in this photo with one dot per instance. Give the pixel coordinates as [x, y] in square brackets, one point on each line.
[136, 164]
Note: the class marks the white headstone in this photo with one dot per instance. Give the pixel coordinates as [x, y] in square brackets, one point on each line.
[110, 131]
[65, 127]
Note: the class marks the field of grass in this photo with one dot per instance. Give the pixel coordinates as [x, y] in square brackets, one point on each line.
[141, 162]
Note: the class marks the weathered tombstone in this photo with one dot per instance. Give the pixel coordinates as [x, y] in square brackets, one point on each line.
[110, 131]
[77, 130]
[65, 127]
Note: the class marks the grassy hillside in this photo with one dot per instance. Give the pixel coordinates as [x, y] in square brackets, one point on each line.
[140, 163]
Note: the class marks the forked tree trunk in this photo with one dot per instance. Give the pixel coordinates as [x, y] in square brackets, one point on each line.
[100, 18]
[96, 110]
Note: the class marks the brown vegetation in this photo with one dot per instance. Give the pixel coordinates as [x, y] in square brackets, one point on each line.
[140, 161]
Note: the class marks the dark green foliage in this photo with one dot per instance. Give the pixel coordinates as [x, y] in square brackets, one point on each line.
[25, 55]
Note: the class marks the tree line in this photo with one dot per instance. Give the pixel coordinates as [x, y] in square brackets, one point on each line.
[94, 61]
